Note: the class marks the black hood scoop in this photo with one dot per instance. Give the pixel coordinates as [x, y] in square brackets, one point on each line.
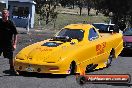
[51, 44]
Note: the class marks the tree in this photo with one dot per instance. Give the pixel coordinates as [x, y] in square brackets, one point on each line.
[80, 5]
[38, 5]
[121, 9]
[89, 5]
[46, 10]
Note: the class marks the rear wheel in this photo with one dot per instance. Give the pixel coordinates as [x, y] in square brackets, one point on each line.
[109, 61]
[110, 58]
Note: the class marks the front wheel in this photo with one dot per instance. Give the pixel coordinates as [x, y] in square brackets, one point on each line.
[81, 80]
[72, 68]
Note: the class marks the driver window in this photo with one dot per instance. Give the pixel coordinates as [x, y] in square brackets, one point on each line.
[92, 34]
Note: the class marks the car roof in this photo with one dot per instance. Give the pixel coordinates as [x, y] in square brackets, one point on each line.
[79, 26]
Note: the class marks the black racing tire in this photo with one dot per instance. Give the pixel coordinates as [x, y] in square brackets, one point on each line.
[109, 61]
[20, 73]
[72, 68]
[81, 80]
[89, 68]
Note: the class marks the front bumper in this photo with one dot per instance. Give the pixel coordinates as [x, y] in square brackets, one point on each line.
[45, 68]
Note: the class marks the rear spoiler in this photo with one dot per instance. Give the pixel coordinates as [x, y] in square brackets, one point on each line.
[115, 29]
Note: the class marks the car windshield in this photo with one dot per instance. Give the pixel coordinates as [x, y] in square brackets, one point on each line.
[72, 33]
[128, 32]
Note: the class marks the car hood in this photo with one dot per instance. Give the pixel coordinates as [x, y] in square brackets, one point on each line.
[43, 52]
[127, 38]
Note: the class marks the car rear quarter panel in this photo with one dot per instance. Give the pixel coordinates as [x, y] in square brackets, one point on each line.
[114, 41]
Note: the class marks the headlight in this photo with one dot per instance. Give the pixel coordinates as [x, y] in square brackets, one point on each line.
[20, 56]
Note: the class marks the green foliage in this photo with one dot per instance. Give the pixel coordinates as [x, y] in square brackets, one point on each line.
[46, 10]
[65, 19]
[121, 9]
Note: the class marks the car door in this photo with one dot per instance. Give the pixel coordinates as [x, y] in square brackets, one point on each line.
[89, 49]
[96, 47]
[92, 42]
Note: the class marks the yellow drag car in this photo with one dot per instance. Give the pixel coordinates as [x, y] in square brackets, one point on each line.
[75, 46]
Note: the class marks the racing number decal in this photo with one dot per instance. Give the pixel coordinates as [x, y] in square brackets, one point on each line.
[100, 48]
